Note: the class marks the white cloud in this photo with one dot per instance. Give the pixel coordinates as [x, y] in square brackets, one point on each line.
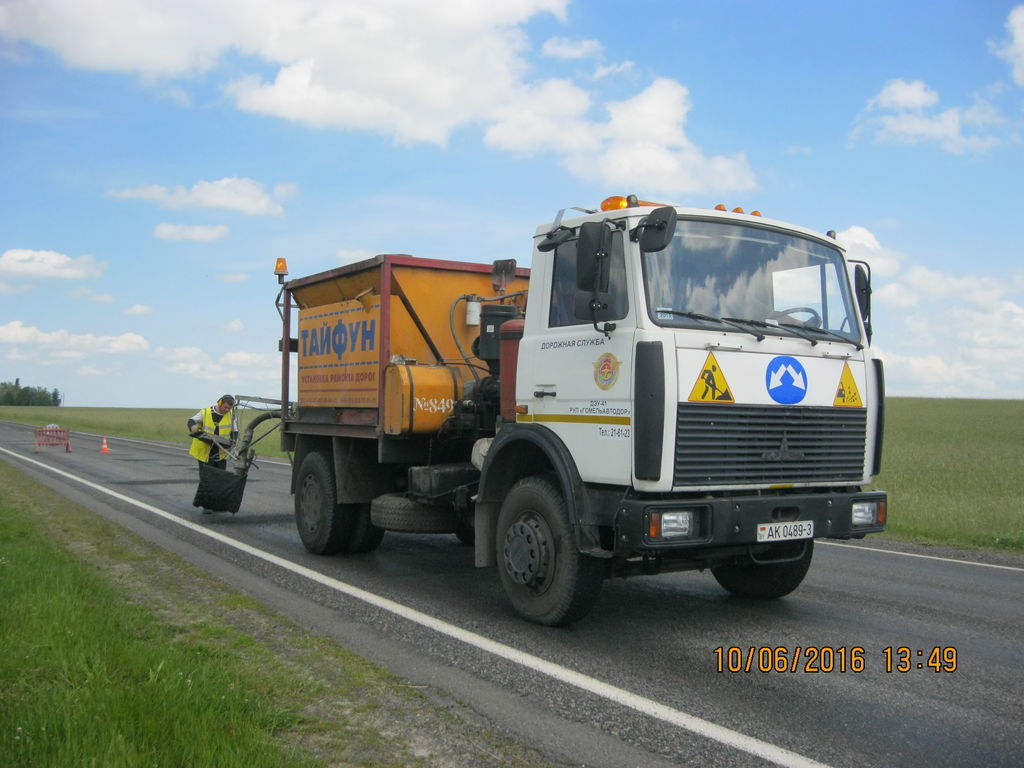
[1012, 51]
[285, 190]
[46, 264]
[642, 146]
[861, 244]
[545, 118]
[198, 233]
[233, 326]
[409, 70]
[900, 114]
[563, 48]
[230, 370]
[613, 69]
[645, 147]
[43, 346]
[139, 310]
[233, 277]
[233, 194]
[901, 95]
[84, 292]
[943, 334]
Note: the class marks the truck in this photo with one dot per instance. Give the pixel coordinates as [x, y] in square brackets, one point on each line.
[665, 388]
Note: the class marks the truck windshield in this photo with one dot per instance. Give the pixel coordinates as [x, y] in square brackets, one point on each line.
[717, 271]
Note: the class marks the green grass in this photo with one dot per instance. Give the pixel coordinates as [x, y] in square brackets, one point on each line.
[89, 678]
[955, 471]
[954, 468]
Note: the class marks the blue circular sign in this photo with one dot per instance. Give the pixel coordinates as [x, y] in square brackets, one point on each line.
[786, 380]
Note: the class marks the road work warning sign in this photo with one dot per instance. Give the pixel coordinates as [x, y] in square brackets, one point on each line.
[711, 386]
[847, 394]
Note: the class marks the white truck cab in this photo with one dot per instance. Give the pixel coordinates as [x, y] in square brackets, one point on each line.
[696, 387]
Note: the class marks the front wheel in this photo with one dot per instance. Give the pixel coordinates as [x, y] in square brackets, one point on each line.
[765, 581]
[544, 575]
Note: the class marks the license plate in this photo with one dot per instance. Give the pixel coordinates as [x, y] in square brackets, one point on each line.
[800, 529]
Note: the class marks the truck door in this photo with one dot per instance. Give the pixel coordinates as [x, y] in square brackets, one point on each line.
[580, 379]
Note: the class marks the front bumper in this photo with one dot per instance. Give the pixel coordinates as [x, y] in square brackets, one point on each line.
[733, 520]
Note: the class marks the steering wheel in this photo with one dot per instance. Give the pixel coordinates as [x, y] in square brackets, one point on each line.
[813, 320]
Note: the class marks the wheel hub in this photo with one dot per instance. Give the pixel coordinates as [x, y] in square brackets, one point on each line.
[311, 500]
[527, 552]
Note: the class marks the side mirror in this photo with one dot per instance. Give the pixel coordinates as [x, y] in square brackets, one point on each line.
[657, 229]
[591, 255]
[862, 292]
[503, 272]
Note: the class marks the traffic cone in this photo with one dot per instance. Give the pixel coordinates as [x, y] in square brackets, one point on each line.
[104, 448]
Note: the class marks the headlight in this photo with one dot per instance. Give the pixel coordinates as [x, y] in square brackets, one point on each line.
[868, 512]
[672, 524]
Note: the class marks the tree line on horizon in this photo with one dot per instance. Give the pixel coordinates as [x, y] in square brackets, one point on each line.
[15, 394]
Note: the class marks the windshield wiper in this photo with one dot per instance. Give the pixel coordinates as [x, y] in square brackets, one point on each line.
[824, 332]
[798, 330]
[739, 324]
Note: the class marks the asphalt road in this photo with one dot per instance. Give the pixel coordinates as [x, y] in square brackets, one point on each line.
[639, 681]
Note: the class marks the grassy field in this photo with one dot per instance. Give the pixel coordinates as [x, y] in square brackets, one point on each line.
[954, 468]
[167, 424]
[955, 471]
[116, 653]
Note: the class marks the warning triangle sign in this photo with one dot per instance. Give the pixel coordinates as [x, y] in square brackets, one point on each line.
[711, 386]
[847, 394]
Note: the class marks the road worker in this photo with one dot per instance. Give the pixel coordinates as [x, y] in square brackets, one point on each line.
[213, 429]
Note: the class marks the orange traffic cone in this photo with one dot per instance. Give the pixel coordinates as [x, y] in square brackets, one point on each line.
[104, 448]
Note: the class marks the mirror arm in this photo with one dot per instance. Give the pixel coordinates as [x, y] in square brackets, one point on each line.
[635, 232]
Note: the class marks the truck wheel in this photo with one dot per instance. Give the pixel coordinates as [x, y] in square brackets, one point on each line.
[366, 536]
[764, 581]
[324, 526]
[545, 577]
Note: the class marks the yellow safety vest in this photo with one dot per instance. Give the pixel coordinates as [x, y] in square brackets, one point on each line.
[201, 450]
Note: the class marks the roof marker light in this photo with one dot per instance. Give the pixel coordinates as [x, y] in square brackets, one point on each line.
[738, 210]
[720, 207]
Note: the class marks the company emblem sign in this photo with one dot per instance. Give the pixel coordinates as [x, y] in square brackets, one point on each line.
[606, 370]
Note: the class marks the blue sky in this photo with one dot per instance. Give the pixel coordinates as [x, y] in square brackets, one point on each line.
[155, 159]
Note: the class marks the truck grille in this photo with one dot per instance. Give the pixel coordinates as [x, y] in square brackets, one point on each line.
[724, 445]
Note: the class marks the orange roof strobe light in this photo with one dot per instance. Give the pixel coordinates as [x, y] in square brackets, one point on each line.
[281, 268]
[721, 207]
[615, 202]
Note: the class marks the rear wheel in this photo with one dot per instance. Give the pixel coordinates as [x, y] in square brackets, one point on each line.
[766, 581]
[544, 575]
[326, 527]
[322, 525]
[366, 536]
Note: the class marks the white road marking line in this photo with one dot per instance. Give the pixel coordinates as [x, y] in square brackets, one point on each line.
[923, 557]
[644, 706]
